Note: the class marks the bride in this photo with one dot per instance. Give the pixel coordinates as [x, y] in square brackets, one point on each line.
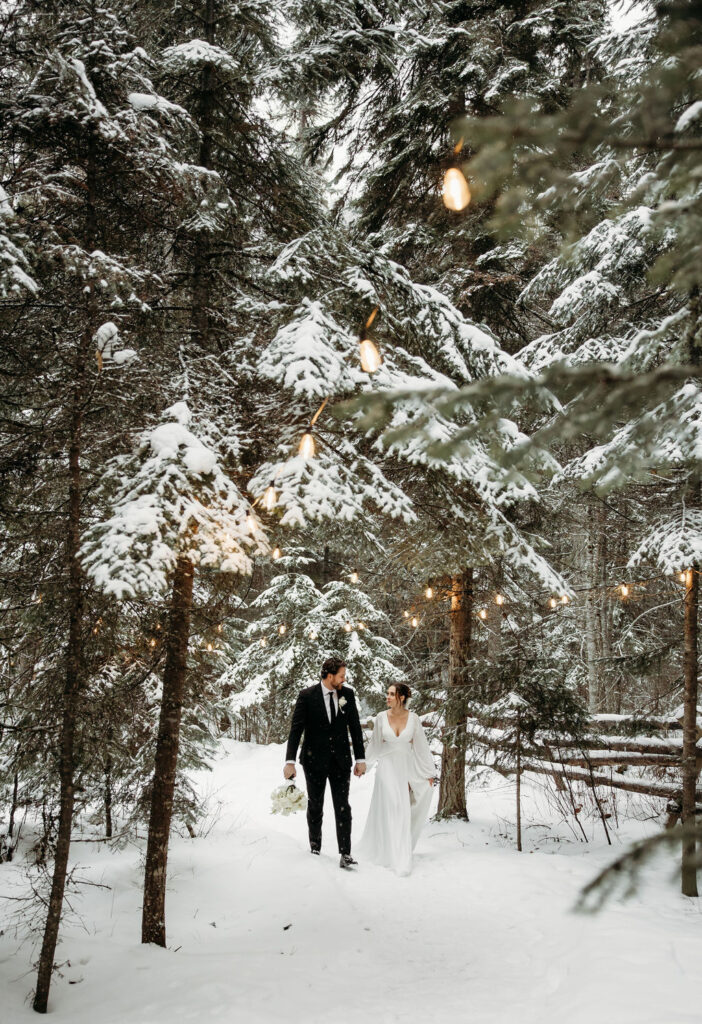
[403, 784]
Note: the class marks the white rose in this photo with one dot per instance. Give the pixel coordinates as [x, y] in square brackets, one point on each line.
[342, 701]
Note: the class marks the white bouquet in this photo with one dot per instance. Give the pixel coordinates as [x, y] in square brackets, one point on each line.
[287, 799]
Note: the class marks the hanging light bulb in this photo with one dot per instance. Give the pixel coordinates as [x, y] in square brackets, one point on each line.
[152, 643]
[314, 634]
[270, 499]
[263, 641]
[370, 356]
[209, 647]
[552, 602]
[429, 593]
[456, 194]
[624, 589]
[307, 447]
[348, 627]
[564, 599]
[362, 625]
[354, 577]
[219, 628]
[282, 629]
[499, 599]
[251, 522]
[406, 614]
[276, 554]
[482, 614]
[415, 621]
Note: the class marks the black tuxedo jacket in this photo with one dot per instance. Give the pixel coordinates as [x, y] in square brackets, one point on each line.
[324, 742]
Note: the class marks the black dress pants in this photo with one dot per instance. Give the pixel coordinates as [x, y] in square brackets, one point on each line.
[339, 781]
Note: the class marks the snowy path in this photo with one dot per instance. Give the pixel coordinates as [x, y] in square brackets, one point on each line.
[477, 933]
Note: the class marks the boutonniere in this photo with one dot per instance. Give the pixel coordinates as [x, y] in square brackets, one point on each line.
[342, 702]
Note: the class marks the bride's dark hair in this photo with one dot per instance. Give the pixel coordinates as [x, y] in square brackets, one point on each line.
[402, 690]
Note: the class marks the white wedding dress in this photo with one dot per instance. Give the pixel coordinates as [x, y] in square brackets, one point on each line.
[401, 794]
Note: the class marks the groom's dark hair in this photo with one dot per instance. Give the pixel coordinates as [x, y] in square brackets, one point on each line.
[331, 666]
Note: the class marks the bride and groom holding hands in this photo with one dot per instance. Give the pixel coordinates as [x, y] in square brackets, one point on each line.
[326, 716]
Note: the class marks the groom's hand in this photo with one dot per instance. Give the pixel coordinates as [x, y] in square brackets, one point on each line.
[359, 768]
[289, 771]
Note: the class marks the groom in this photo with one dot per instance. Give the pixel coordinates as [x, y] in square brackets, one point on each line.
[326, 713]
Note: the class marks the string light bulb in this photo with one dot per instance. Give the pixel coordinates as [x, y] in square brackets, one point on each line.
[683, 576]
[456, 193]
[362, 625]
[276, 554]
[415, 621]
[348, 627]
[564, 599]
[152, 643]
[354, 577]
[282, 629]
[313, 634]
[624, 590]
[482, 614]
[209, 647]
[270, 499]
[552, 602]
[219, 628]
[406, 614]
[263, 641]
[307, 447]
[499, 599]
[370, 356]
[429, 593]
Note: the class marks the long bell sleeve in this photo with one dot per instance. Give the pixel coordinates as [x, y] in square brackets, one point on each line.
[423, 760]
[376, 742]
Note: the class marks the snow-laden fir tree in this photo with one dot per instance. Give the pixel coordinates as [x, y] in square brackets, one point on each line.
[296, 626]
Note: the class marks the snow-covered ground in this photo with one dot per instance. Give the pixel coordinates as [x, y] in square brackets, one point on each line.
[259, 931]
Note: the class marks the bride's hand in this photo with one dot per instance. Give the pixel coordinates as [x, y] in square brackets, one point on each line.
[432, 781]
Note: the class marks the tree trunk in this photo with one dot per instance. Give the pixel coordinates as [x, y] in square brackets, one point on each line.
[201, 293]
[74, 658]
[689, 755]
[519, 782]
[452, 793]
[595, 605]
[153, 927]
[108, 799]
[692, 589]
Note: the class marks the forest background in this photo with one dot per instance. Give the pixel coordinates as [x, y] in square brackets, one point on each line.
[213, 215]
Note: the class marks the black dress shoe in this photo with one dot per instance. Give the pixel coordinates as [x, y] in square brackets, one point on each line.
[316, 852]
[347, 862]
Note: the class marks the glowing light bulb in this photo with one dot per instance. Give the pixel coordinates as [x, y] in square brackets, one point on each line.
[429, 593]
[282, 629]
[362, 625]
[276, 554]
[263, 641]
[624, 590]
[219, 628]
[250, 522]
[499, 599]
[406, 614]
[564, 599]
[415, 621]
[552, 602]
[370, 356]
[348, 627]
[313, 635]
[483, 613]
[152, 643]
[354, 577]
[270, 499]
[307, 446]
[456, 194]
